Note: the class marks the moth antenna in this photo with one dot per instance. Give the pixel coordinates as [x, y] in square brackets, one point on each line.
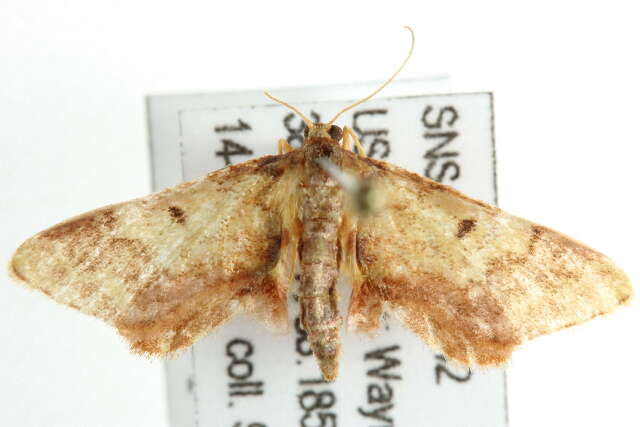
[413, 42]
[306, 120]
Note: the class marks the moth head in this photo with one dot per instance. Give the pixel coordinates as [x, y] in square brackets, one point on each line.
[323, 131]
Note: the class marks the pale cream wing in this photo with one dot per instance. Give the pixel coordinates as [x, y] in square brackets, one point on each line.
[473, 281]
[167, 268]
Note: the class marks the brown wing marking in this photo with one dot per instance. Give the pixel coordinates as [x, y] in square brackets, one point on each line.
[473, 281]
[168, 268]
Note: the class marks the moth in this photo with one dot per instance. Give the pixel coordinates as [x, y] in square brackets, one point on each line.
[471, 280]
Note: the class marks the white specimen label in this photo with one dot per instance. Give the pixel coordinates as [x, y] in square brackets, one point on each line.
[242, 375]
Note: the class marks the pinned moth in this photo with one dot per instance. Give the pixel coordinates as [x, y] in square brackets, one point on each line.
[471, 280]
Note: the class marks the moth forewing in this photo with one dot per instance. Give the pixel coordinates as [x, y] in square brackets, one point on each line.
[168, 268]
[469, 278]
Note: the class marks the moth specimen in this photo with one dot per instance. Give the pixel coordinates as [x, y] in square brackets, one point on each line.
[471, 280]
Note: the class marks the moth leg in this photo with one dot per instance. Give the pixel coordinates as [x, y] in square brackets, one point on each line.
[346, 139]
[348, 131]
[284, 147]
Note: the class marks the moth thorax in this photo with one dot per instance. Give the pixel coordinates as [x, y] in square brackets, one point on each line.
[322, 148]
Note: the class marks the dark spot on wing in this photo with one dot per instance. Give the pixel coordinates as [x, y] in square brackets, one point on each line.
[109, 219]
[177, 214]
[272, 253]
[536, 232]
[465, 226]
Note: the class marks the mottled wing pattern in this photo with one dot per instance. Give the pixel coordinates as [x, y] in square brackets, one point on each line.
[168, 268]
[473, 281]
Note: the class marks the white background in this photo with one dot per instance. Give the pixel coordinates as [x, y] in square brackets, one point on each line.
[73, 75]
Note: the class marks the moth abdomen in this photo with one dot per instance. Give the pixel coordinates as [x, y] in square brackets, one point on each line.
[321, 211]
